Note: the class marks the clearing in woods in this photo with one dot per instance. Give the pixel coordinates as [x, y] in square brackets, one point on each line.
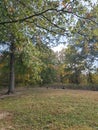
[49, 109]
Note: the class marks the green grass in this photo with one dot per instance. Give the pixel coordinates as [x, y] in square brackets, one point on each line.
[50, 109]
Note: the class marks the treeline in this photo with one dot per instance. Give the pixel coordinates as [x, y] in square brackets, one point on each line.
[44, 67]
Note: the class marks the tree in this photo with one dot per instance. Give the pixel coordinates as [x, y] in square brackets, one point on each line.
[25, 18]
[47, 57]
[10, 41]
[86, 40]
[72, 64]
[28, 65]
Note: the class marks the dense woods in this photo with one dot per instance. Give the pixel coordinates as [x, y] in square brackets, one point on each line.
[28, 31]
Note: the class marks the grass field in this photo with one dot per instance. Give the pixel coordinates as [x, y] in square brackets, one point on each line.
[49, 109]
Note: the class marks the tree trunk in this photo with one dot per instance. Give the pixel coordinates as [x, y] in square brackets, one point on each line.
[89, 79]
[11, 86]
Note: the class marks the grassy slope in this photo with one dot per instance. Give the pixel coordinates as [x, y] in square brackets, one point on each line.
[50, 109]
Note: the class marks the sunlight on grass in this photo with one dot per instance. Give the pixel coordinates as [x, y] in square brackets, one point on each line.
[50, 109]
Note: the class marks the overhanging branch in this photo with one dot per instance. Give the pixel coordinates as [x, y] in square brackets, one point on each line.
[28, 17]
[43, 12]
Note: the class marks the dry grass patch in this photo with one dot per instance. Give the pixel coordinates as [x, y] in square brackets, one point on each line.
[50, 109]
[80, 128]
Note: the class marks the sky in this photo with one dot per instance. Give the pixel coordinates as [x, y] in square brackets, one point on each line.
[59, 47]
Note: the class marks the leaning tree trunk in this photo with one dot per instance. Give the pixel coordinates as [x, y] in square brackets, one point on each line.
[11, 86]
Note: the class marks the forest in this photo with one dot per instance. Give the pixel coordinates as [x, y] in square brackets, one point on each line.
[44, 89]
[28, 32]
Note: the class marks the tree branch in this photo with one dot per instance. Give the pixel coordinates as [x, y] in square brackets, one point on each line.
[43, 12]
[81, 17]
[53, 23]
[28, 17]
[51, 31]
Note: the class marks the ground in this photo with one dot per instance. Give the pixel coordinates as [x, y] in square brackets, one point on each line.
[49, 109]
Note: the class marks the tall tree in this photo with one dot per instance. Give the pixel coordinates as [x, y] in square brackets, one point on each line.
[72, 64]
[47, 56]
[86, 40]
